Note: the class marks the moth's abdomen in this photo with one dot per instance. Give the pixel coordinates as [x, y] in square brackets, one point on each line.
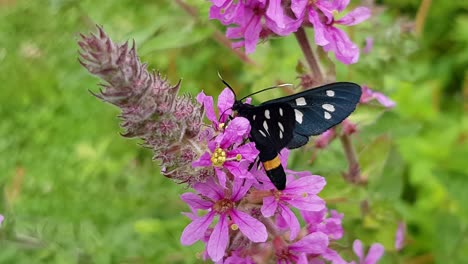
[273, 168]
[277, 177]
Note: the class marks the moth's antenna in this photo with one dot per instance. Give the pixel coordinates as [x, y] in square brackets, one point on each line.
[227, 84]
[232, 90]
[266, 89]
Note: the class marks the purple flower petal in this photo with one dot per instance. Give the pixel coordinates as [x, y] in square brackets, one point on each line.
[384, 100]
[309, 185]
[203, 161]
[219, 239]
[357, 248]
[400, 236]
[333, 256]
[221, 177]
[333, 228]
[275, 12]
[195, 202]
[315, 243]
[225, 102]
[345, 50]
[309, 203]
[325, 138]
[298, 7]
[319, 29]
[376, 251]
[209, 189]
[235, 132]
[252, 33]
[249, 226]
[340, 5]
[196, 230]
[1, 219]
[269, 206]
[248, 152]
[240, 188]
[207, 102]
[291, 219]
[369, 45]
[355, 17]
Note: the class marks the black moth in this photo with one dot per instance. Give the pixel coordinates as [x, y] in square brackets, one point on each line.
[289, 121]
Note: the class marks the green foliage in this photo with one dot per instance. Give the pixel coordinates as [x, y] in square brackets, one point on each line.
[75, 191]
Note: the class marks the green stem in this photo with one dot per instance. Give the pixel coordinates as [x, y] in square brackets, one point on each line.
[301, 37]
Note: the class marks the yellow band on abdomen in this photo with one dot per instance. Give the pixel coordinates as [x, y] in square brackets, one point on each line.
[272, 164]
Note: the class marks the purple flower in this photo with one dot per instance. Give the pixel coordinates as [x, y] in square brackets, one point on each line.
[253, 19]
[299, 193]
[219, 202]
[225, 152]
[369, 45]
[369, 95]
[400, 236]
[225, 102]
[1, 219]
[236, 258]
[320, 14]
[331, 226]
[315, 243]
[375, 252]
[325, 138]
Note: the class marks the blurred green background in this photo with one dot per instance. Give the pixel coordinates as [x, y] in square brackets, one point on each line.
[74, 191]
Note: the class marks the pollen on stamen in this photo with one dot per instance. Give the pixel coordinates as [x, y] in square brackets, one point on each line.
[238, 157]
[221, 126]
[234, 227]
[304, 195]
[218, 157]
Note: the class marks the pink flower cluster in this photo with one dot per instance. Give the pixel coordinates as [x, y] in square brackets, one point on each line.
[252, 20]
[239, 214]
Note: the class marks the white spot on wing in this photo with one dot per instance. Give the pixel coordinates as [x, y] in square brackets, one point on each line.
[281, 126]
[267, 114]
[281, 111]
[298, 115]
[254, 117]
[281, 135]
[301, 101]
[328, 107]
[261, 132]
[330, 93]
[265, 125]
[327, 115]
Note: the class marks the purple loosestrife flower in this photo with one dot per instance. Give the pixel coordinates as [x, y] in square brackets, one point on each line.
[320, 14]
[236, 258]
[225, 152]
[217, 201]
[369, 95]
[375, 253]
[331, 226]
[151, 109]
[315, 244]
[299, 193]
[400, 236]
[252, 20]
[225, 102]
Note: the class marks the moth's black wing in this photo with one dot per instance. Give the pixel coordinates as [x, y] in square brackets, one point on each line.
[318, 109]
[272, 125]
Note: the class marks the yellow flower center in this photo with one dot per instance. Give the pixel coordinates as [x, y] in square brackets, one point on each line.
[218, 157]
